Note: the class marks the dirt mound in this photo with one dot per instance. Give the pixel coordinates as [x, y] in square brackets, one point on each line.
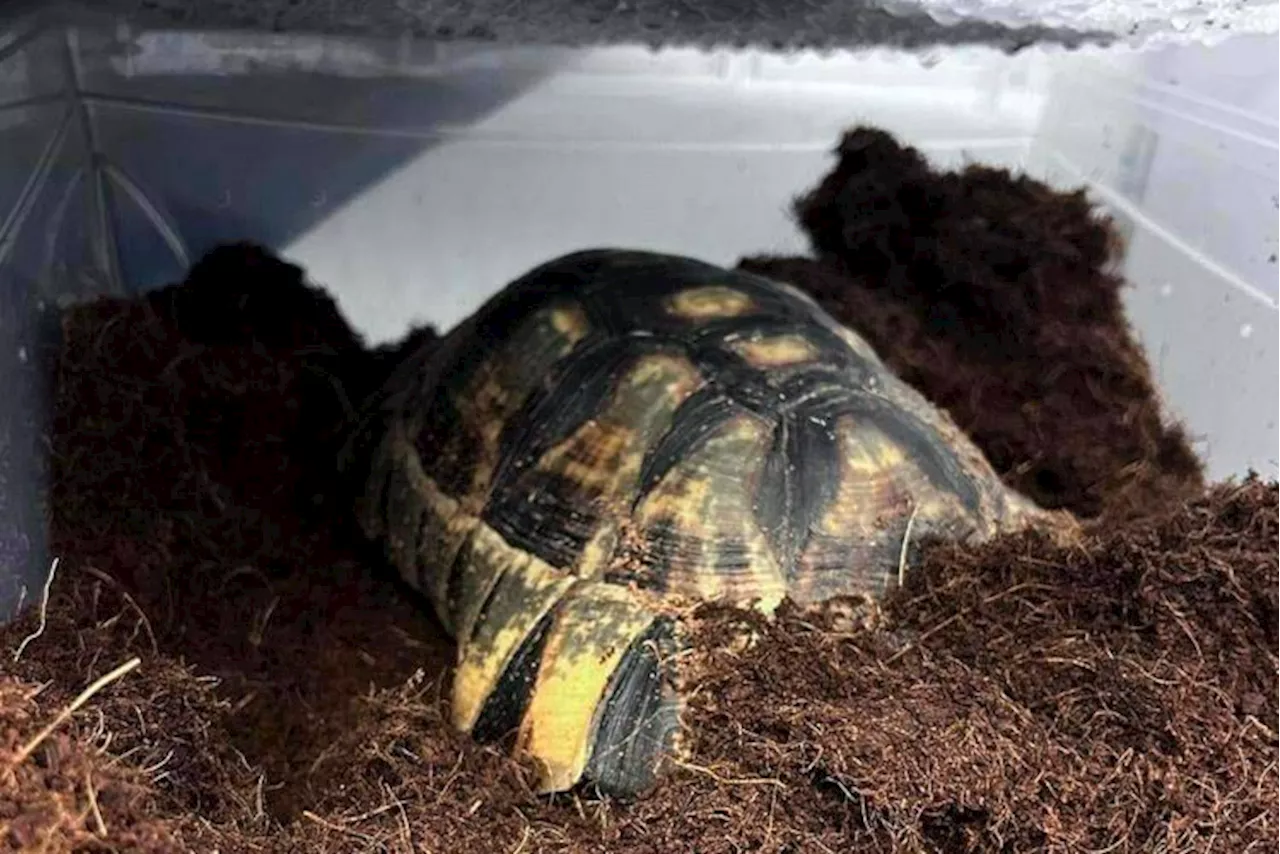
[990, 293]
[221, 666]
[1028, 697]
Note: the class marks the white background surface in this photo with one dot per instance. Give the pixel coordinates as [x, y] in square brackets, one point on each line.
[708, 167]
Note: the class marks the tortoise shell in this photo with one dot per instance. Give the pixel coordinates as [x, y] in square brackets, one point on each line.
[620, 434]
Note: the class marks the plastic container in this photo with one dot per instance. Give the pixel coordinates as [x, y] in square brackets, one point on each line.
[127, 154]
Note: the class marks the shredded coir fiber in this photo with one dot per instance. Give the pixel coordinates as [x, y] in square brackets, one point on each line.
[221, 666]
[993, 295]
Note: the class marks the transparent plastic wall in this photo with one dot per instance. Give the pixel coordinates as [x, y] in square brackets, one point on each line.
[414, 179]
[1180, 145]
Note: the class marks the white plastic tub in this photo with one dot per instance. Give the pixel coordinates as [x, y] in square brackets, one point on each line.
[127, 153]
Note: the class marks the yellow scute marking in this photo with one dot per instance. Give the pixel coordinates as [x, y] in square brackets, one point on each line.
[873, 455]
[775, 351]
[595, 626]
[601, 459]
[598, 551]
[709, 301]
[868, 460]
[681, 377]
[603, 456]
[482, 408]
[523, 594]
[570, 321]
[680, 497]
[877, 478]
[491, 396]
[593, 457]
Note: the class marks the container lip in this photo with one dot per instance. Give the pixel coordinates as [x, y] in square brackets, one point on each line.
[774, 25]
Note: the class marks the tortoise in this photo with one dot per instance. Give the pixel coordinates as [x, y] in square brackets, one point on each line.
[617, 436]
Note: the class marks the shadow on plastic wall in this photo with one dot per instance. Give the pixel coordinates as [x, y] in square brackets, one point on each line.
[28, 344]
[215, 174]
[190, 139]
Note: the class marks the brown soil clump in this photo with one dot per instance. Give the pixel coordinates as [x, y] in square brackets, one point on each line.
[991, 294]
[1116, 694]
[194, 503]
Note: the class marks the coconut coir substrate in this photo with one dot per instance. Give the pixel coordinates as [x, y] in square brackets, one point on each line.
[992, 294]
[1116, 694]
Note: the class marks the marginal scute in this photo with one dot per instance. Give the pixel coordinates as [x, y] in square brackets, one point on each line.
[638, 724]
[405, 511]
[472, 577]
[525, 589]
[593, 629]
[508, 702]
